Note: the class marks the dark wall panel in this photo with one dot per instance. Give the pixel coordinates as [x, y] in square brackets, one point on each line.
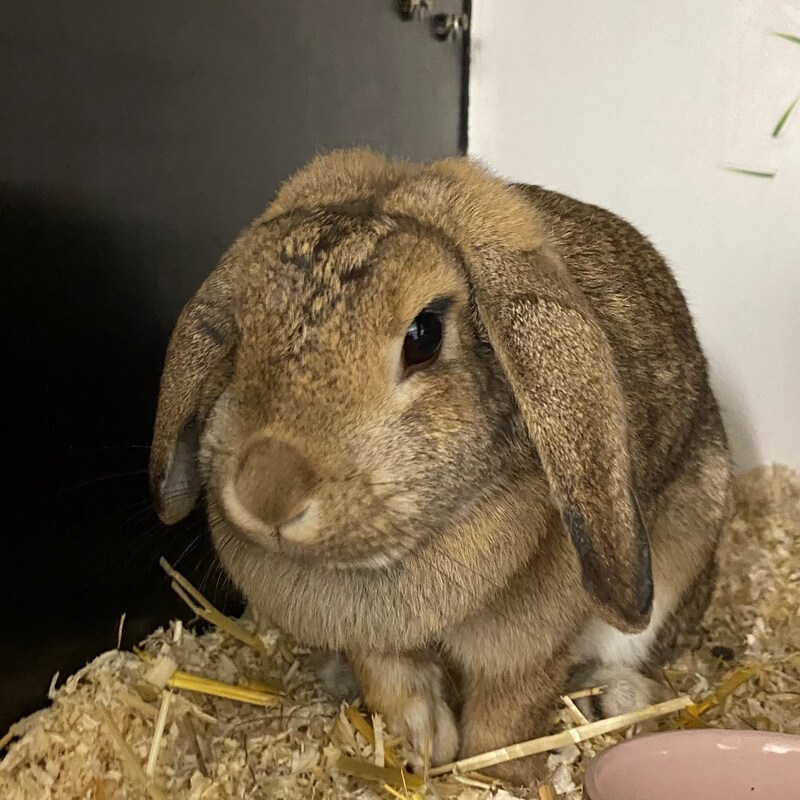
[136, 139]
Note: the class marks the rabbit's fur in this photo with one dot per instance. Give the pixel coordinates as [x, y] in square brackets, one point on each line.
[546, 496]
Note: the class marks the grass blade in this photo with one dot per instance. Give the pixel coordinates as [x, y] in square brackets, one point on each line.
[784, 119]
[752, 172]
[790, 37]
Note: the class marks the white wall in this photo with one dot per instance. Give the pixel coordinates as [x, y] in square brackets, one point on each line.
[637, 107]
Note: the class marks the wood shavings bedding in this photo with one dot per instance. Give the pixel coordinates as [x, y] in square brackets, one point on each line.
[111, 735]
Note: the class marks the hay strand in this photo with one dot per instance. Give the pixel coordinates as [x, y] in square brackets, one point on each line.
[593, 692]
[203, 607]
[357, 768]
[571, 736]
[547, 792]
[379, 749]
[243, 694]
[577, 715]
[128, 758]
[361, 724]
[120, 628]
[690, 716]
[158, 734]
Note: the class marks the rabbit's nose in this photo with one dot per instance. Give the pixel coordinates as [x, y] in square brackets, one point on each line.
[272, 492]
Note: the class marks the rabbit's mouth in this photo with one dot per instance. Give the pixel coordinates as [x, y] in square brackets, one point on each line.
[347, 524]
[361, 548]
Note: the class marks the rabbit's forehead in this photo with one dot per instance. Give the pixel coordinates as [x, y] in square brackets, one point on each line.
[324, 265]
[330, 244]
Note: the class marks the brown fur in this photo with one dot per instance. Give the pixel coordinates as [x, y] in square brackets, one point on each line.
[498, 504]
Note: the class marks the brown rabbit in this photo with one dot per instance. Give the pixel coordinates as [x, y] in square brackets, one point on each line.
[438, 419]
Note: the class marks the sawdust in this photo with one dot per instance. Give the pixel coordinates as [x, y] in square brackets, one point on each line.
[96, 740]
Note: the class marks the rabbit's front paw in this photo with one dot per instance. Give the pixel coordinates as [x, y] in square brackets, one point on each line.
[624, 689]
[408, 691]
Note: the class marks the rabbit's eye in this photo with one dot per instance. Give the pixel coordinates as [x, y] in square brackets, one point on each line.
[423, 341]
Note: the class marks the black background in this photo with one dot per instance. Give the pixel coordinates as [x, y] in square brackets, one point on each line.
[136, 140]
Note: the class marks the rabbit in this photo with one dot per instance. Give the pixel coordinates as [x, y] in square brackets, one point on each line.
[457, 431]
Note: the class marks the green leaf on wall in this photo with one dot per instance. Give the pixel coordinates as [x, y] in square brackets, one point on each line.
[752, 172]
[779, 125]
[790, 37]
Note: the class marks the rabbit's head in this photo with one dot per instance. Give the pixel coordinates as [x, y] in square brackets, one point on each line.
[386, 346]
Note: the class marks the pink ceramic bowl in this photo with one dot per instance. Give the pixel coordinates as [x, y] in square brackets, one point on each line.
[698, 765]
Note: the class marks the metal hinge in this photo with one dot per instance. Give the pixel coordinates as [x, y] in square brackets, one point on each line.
[444, 27]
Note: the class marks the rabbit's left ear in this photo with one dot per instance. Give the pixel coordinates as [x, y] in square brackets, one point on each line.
[561, 370]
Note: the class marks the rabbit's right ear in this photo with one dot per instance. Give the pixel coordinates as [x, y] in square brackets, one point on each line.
[203, 338]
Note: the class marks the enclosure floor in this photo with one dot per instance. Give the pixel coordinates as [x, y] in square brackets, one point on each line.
[213, 749]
